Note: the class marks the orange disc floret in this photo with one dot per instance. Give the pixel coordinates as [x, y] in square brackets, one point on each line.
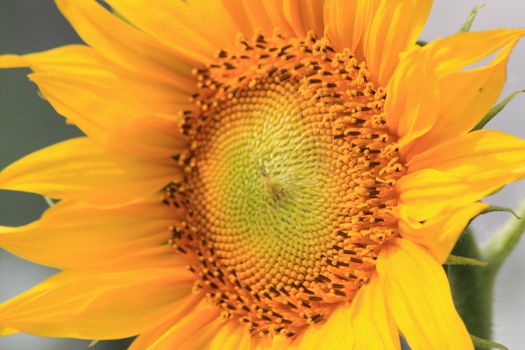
[289, 181]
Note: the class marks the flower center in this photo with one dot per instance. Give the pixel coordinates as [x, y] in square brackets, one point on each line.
[288, 182]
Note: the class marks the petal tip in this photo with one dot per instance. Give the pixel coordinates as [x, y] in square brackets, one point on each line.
[13, 61]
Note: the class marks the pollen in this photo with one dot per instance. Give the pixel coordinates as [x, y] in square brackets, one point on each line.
[289, 182]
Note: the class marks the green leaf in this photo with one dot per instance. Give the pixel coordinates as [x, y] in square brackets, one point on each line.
[487, 344]
[463, 260]
[495, 110]
[421, 42]
[470, 18]
[496, 208]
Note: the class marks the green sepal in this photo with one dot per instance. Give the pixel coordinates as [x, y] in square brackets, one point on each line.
[495, 110]
[463, 260]
[121, 17]
[50, 202]
[481, 343]
[93, 343]
[41, 95]
[497, 208]
[421, 42]
[470, 19]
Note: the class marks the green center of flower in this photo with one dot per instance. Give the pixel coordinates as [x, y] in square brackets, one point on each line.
[288, 184]
[263, 185]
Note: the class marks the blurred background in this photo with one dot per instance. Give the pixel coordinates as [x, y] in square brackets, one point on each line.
[28, 123]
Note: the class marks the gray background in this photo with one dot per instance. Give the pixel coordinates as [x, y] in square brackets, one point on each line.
[28, 123]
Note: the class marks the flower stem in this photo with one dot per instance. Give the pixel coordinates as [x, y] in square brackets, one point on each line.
[496, 251]
[473, 287]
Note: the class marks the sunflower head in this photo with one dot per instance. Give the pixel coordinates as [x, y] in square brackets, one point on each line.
[309, 165]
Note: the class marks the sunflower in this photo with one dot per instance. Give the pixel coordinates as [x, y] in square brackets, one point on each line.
[258, 174]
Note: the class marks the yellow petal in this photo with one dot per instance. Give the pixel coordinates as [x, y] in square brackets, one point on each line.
[196, 30]
[395, 27]
[275, 342]
[236, 11]
[333, 334]
[419, 298]
[347, 21]
[12, 61]
[228, 338]
[124, 45]
[79, 170]
[79, 60]
[476, 147]
[185, 306]
[98, 306]
[106, 104]
[193, 331]
[80, 65]
[153, 138]
[372, 324]
[292, 17]
[76, 236]
[257, 17]
[87, 102]
[439, 234]
[458, 51]
[104, 116]
[304, 15]
[4, 331]
[411, 109]
[427, 192]
[209, 17]
[465, 95]
[484, 160]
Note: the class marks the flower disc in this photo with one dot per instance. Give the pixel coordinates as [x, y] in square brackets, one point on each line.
[289, 182]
